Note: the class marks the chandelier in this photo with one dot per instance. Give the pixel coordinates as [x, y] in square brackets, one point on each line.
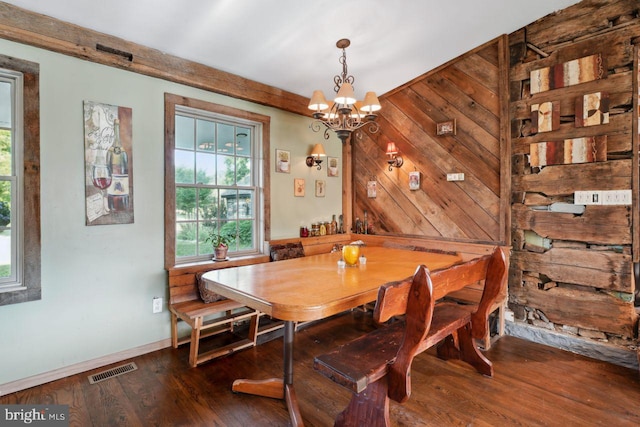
[344, 115]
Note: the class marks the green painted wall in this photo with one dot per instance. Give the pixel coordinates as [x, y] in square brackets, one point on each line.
[98, 282]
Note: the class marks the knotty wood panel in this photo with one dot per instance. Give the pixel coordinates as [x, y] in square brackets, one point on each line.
[468, 90]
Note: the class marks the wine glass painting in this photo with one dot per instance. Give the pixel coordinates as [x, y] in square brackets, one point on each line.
[108, 164]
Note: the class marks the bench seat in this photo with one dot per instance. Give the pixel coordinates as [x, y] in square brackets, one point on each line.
[366, 359]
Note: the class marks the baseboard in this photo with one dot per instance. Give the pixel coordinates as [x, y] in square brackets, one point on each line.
[596, 350]
[36, 380]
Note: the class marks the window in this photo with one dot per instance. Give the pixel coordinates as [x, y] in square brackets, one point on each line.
[19, 181]
[214, 179]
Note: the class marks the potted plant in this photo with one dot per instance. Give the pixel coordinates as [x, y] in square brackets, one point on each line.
[220, 244]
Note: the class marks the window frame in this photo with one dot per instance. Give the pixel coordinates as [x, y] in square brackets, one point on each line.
[29, 237]
[176, 102]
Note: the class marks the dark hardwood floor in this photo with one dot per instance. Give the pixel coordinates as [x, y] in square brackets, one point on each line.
[534, 385]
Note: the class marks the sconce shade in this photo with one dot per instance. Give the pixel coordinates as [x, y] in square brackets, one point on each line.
[370, 103]
[346, 95]
[318, 101]
[391, 148]
[318, 150]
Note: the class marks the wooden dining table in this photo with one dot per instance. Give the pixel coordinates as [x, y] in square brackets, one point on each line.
[312, 288]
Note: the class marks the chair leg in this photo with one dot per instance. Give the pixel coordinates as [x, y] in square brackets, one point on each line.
[174, 330]
[469, 352]
[254, 323]
[463, 347]
[368, 408]
[195, 342]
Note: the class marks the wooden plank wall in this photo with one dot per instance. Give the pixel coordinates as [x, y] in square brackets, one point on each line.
[579, 280]
[467, 90]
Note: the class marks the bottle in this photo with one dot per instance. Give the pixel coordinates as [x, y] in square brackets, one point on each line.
[358, 225]
[365, 224]
[118, 161]
[334, 225]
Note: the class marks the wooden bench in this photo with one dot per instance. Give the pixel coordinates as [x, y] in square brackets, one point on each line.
[377, 366]
[206, 319]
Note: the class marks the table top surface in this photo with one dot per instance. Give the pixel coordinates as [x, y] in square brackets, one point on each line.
[315, 287]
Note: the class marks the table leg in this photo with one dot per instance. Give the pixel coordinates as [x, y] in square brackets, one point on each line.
[275, 387]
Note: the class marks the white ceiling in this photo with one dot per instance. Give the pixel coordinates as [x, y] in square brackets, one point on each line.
[290, 44]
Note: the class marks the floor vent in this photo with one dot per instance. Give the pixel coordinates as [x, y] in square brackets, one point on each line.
[113, 372]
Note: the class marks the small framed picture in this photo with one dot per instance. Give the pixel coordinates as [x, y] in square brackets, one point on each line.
[321, 186]
[283, 163]
[372, 189]
[298, 187]
[414, 180]
[332, 166]
[446, 128]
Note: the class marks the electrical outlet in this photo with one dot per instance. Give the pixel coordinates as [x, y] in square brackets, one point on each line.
[455, 177]
[157, 305]
[590, 197]
[616, 197]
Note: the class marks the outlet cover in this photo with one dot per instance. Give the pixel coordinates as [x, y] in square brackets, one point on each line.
[157, 305]
[455, 177]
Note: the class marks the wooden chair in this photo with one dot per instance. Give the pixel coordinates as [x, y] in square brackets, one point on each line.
[377, 366]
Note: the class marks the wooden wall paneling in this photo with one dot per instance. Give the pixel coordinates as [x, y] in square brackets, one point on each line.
[578, 308]
[635, 172]
[597, 269]
[467, 90]
[564, 180]
[433, 162]
[413, 212]
[581, 20]
[604, 225]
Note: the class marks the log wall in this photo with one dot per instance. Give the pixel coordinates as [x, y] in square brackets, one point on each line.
[572, 272]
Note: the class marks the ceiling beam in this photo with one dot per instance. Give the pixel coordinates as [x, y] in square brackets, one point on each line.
[23, 26]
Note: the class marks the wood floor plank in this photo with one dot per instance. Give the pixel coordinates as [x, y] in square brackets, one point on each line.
[534, 385]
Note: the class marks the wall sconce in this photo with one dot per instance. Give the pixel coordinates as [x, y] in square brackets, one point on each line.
[315, 158]
[394, 160]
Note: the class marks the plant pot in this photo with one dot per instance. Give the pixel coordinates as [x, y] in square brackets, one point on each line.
[221, 252]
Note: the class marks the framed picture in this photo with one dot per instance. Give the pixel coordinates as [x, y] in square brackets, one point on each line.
[372, 189]
[332, 166]
[283, 163]
[298, 187]
[321, 187]
[108, 164]
[414, 180]
[446, 128]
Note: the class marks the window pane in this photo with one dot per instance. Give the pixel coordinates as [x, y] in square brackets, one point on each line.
[246, 235]
[206, 164]
[243, 170]
[186, 239]
[206, 135]
[203, 246]
[5, 152]
[226, 138]
[185, 169]
[5, 254]
[245, 203]
[185, 203]
[230, 228]
[226, 170]
[208, 204]
[185, 132]
[5, 105]
[243, 141]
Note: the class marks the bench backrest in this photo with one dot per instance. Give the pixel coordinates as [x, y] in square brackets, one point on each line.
[414, 298]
